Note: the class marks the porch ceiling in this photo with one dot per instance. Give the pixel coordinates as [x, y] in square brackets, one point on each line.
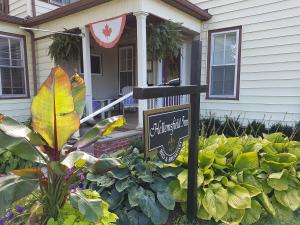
[81, 13]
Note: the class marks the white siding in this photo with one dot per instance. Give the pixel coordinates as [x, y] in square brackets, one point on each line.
[43, 60]
[18, 8]
[43, 7]
[18, 108]
[23, 8]
[270, 63]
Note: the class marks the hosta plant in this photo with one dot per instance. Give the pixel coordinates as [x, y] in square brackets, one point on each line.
[138, 192]
[56, 113]
[240, 178]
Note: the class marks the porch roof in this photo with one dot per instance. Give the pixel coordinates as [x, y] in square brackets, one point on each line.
[183, 5]
[83, 12]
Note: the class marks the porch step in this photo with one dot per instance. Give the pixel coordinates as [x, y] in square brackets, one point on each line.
[116, 141]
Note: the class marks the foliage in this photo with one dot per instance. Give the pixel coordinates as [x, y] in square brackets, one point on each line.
[9, 162]
[240, 178]
[70, 215]
[65, 47]
[56, 112]
[138, 192]
[233, 127]
[164, 40]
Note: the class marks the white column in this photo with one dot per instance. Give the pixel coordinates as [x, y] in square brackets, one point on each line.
[141, 60]
[159, 80]
[87, 69]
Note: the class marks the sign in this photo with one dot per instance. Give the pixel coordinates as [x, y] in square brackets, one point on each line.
[165, 130]
[107, 33]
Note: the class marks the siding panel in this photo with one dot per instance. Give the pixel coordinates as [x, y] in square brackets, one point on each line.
[270, 63]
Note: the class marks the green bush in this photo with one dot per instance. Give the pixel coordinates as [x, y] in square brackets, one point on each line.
[240, 178]
[138, 193]
[9, 162]
[233, 127]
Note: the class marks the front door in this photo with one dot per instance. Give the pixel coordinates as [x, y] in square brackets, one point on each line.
[126, 67]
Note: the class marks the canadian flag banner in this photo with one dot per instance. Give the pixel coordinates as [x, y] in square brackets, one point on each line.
[107, 33]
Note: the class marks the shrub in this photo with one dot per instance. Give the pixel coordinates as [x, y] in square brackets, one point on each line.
[240, 178]
[138, 193]
[232, 127]
[9, 162]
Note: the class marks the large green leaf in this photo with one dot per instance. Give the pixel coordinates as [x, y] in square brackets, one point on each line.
[91, 209]
[166, 199]
[252, 215]
[238, 197]
[233, 216]
[278, 162]
[159, 184]
[78, 93]
[21, 148]
[289, 198]
[179, 194]
[53, 111]
[215, 202]
[279, 181]
[13, 128]
[246, 161]
[266, 203]
[13, 188]
[94, 165]
[206, 158]
[102, 128]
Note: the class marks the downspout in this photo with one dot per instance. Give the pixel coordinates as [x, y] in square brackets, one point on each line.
[32, 41]
[33, 8]
[33, 61]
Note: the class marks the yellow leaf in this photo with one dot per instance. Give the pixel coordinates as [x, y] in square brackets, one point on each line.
[80, 163]
[28, 171]
[53, 111]
[114, 122]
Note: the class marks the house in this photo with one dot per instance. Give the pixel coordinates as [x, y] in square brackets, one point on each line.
[250, 54]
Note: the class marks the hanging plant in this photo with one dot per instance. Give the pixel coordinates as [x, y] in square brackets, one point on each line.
[65, 47]
[164, 40]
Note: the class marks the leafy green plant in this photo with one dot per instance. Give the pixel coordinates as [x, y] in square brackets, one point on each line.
[65, 47]
[9, 162]
[73, 211]
[138, 192]
[164, 40]
[56, 113]
[240, 178]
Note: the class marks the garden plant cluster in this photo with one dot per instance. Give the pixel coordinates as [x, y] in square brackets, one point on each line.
[240, 179]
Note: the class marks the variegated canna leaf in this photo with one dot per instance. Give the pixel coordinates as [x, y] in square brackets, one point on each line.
[53, 110]
[104, 127]
[13, 128]
[78, 92]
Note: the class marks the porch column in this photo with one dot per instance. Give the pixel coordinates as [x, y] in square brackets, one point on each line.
[141, 60]
[86, 56]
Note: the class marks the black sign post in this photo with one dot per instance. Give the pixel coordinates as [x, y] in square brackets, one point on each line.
[194, 91]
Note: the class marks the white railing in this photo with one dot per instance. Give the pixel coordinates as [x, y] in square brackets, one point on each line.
[106, 108]
[168, 101]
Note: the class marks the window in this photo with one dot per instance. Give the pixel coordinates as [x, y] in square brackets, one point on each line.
[96, 65]
[12, 67]
[126, 67]
[4, 8]
[224, 63]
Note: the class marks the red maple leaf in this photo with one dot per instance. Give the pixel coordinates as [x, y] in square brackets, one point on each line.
[107, 31]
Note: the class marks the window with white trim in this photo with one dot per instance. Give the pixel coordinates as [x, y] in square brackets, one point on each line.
[126, 67]
[12, 67]
[224, 63]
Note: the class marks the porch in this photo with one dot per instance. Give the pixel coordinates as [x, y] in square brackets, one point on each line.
[107, 71]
